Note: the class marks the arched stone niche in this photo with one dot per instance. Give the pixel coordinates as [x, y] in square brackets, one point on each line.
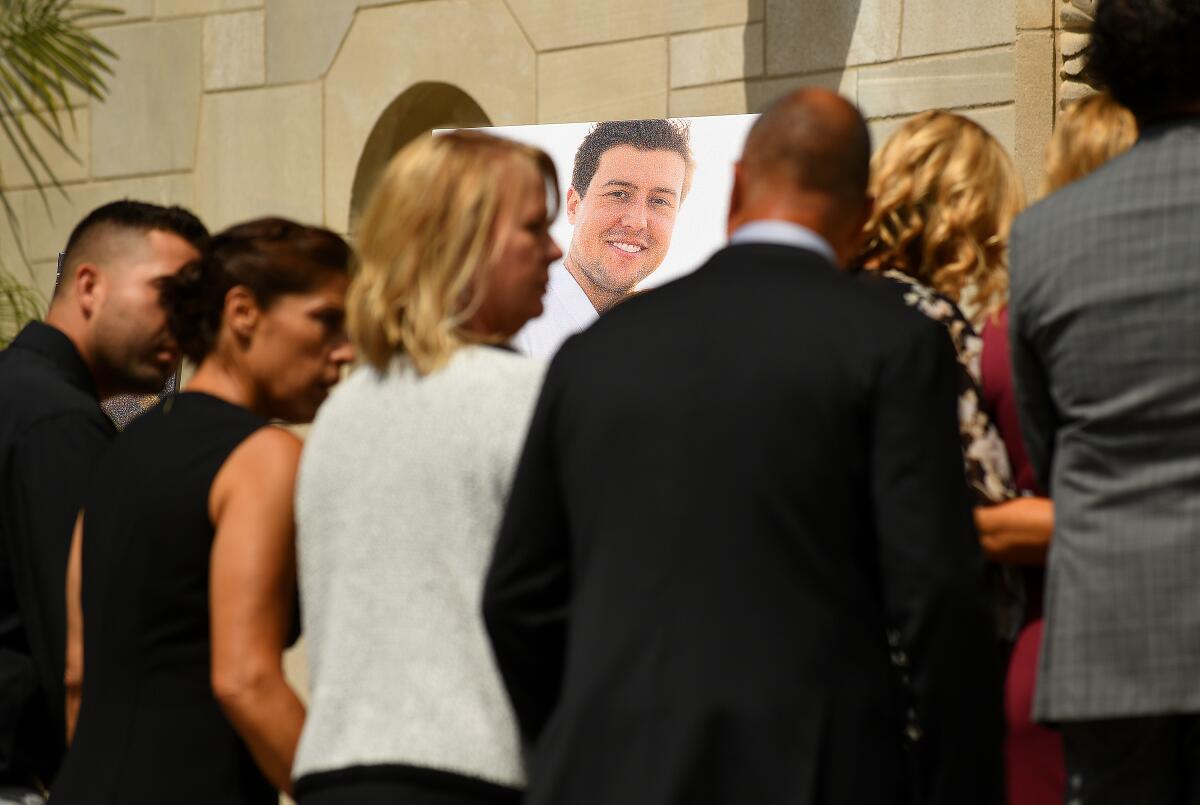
[420, 108]
[392, 49]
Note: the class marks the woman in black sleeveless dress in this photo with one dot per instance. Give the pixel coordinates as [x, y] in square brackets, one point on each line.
[183, 567]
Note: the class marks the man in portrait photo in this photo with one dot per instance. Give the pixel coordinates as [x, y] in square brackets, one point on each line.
[629, 180]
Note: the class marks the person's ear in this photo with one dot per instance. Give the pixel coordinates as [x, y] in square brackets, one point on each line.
[736, 199]
[88, 284]
[241, 312]
[573, 199]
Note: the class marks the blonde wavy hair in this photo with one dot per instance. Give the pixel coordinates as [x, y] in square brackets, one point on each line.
[1089, 132]
[428, 236]
[946, 194]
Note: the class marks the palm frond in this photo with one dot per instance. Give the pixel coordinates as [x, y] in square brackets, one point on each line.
[44, 51]
[18, 305]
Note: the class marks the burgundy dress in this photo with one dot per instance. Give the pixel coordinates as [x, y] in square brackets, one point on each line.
[1033, 753]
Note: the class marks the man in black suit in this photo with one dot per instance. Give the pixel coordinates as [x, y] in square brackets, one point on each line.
[736, 490]
[104, 334]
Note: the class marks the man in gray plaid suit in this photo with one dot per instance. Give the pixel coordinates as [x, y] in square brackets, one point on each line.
[1105, 328]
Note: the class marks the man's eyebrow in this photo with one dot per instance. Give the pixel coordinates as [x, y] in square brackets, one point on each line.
[624, 183]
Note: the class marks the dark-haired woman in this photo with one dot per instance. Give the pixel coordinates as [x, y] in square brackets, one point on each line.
[182, 580]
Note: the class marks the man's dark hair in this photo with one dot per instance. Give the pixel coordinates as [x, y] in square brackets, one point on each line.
[1147, 54]
[137, 216]
[644, 135]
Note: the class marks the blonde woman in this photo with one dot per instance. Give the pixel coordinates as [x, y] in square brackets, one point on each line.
[945, 195]
[1089, 133]
[404, 478]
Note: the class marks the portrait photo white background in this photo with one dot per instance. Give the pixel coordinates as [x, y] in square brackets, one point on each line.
[700, 225]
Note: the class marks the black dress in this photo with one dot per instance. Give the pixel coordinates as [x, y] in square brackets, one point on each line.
[149, 730]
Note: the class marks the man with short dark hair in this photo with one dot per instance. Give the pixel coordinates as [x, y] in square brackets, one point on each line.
[104, 334]
[628, 182]
[738, 562]
[1105, 329]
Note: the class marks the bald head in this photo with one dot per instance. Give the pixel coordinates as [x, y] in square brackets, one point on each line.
[816, 141]
[807, 160]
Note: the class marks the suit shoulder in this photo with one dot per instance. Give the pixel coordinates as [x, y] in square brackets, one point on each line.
[882, 302]
[1108, 184]
[1045, 213]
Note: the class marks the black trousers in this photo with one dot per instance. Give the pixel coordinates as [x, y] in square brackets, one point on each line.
[386, 794]
[399, 785]
[1133, 761]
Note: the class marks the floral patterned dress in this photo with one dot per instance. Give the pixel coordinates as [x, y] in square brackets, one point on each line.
[986, 459]
[989, 474]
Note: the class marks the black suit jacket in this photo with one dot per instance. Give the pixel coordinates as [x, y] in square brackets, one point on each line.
[734, 488]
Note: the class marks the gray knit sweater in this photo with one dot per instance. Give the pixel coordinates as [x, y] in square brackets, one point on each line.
[401, 489]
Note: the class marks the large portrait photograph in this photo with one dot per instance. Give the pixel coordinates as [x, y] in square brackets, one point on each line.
[644, 202]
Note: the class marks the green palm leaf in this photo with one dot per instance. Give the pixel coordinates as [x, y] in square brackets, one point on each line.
[18, 304]
[44, 52]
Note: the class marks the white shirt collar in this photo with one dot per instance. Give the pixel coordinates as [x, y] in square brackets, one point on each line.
[783, 233]
[566, 311]
[564, 293]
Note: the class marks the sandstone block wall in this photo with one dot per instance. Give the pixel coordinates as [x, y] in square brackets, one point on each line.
[247, 107]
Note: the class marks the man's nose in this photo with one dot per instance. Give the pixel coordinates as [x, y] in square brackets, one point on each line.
[635, 215]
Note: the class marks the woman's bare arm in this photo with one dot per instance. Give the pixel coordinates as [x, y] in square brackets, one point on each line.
[252, 593]
[1017, 532]
[73, 675]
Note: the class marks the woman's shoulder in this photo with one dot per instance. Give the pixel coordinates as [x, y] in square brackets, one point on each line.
[267, 450]
[491, 375]
[273, 441]
[505, 361]
[262, 467]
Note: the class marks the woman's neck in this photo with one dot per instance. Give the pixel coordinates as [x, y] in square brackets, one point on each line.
[220, 379]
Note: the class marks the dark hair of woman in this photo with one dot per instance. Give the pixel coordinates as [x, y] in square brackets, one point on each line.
[269, 256]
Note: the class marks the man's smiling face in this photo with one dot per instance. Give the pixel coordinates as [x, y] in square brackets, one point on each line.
[624, 219]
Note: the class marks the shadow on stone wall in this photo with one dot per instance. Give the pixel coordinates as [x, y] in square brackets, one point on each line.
[803, 42]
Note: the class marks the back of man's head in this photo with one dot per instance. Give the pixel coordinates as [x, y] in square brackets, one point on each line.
[815, 140]
[1147, 54]
[807, 159]
[101, 237]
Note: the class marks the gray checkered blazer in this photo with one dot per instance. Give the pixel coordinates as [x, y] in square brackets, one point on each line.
[1105, 329]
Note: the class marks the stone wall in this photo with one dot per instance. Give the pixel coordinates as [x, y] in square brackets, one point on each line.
[244, 107]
